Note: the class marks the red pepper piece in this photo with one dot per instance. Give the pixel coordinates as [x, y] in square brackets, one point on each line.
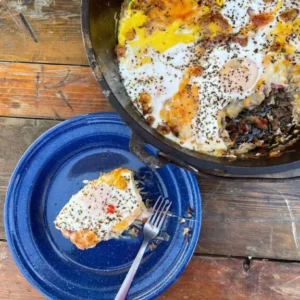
[110, 209]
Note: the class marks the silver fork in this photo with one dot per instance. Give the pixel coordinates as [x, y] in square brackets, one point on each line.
[151, 230]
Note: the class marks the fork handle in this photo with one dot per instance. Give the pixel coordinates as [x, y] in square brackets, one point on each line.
[130, 275]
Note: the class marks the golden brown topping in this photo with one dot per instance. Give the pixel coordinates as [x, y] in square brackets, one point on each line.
[195, 71]
[145, 101]
[200, 51]
[153, 13]
[220, 38]
[243, 41]
[120, 50]
[289, 15]
[165, 10]
[276, 47]
[218, 19]
[145, 98]
[147, 111]
[130, 35]
[205, 20]
[160, 4]
[179, 111]
[289, 57]
[150, 120]
[215, 18]
[214, 29]
[261, 20]
[175, 130]
[141, 4]
[82, 239]
[163, 129]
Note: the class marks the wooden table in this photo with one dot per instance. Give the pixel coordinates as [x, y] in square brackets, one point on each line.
[45, 78]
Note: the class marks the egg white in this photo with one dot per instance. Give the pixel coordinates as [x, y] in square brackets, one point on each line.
[88, 208]
[162, 77]
[237, 12]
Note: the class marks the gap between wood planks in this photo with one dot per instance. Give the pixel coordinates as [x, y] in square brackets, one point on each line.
[246, 260]
[43, 63]
[49, 91]
[204, 278]
[271, 180]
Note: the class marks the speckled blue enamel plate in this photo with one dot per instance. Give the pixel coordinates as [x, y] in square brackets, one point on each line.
[50, 172]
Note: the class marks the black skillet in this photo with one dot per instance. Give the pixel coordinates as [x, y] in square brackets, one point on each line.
[99, 29]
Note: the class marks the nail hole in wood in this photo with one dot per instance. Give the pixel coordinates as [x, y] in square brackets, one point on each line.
[246, 264]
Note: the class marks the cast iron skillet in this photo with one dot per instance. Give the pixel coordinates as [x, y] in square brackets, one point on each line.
[99, 29]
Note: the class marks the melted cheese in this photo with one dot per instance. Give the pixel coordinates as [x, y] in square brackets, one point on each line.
[239, 45]
[173, 31]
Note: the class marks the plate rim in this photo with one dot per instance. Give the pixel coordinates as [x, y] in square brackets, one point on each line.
[13, 181]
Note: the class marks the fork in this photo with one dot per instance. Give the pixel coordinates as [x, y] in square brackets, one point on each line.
[151, 230]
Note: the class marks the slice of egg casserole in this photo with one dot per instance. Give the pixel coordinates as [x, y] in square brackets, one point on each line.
[102, 210]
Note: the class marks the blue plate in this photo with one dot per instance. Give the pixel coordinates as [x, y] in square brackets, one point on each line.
[51, 171]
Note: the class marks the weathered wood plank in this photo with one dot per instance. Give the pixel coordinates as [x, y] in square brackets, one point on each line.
[224, 279]
[41, 31]
[205, 278]
[259, 218]
[13, 284]
[240, 217]
[49, 91]
[16, 135]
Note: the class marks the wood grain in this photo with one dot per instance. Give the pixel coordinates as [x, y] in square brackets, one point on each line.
[240, 217]
[259, 218]
[224, 279]
[205, 278]
[41, 31]
[49, 91]
[13, 285]
[16, 135]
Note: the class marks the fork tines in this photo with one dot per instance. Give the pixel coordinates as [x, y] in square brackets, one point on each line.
[160, 210]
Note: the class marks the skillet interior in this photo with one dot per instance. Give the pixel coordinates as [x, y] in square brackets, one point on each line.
[99, 25]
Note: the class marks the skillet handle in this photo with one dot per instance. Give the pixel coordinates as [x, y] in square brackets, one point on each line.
[137, 147]
[177, 162]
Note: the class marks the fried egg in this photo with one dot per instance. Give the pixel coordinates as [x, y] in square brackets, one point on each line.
[102, 210]
[187, 65]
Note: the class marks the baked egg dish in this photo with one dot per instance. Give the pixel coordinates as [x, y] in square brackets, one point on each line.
[221, 77]
[102, 210]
